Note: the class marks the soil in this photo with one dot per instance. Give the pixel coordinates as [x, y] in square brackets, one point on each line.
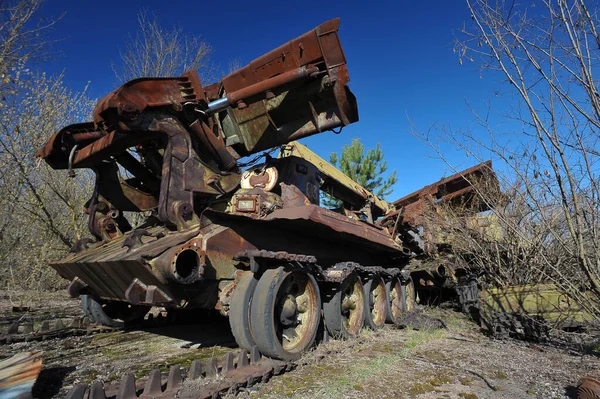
[454, 362]
[447, 358]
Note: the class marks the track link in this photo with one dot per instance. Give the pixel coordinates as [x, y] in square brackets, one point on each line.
[23, 330]
[216, 377]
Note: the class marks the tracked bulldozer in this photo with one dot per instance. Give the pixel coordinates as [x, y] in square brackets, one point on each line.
[221, 231]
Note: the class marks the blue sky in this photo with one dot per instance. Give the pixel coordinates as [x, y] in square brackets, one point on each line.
[399, 57]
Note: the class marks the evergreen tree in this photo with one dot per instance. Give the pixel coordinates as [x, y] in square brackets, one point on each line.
[365, 168]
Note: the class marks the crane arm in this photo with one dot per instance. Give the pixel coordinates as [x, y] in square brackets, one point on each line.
[336, 183]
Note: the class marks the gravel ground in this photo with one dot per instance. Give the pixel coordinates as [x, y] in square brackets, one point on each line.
[453, 362]
[457, 362]
[108, 356]
[46, 306]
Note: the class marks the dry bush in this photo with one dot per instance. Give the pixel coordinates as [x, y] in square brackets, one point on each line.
[544, 148]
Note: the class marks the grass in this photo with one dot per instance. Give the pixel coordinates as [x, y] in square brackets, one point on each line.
[117, 346]
[417, 338]
[388, 363]
[501, 375]
[356, 365]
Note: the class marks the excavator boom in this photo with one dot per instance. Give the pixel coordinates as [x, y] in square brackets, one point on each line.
[181, 140]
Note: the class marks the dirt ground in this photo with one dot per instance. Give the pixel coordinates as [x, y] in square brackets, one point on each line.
[108, 356]
[457, 362]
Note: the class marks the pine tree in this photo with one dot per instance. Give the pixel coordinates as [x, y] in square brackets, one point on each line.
[364, 168]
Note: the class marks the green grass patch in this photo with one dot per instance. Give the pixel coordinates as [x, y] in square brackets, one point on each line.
[420, 388]
[344, 372]
[500, 375]
[417, 338]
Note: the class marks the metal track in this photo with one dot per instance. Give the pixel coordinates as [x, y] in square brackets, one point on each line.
[215, 377]
[229, 374]
[23, 330]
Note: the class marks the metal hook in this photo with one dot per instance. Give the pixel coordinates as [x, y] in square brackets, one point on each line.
[71, 156]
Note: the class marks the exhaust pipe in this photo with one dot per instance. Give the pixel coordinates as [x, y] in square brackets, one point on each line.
[184, 265]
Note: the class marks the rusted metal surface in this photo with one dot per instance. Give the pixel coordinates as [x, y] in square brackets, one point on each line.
[270, 83]
[327, 235]
[109, 268]
[214, 377]
[456, 187]
[296, 112]
[588, 388]
[279, 256]
[205, 219]
[18, 374]
[322, 218]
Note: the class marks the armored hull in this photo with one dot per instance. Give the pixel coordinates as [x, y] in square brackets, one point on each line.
[220, 244]
[221, 231]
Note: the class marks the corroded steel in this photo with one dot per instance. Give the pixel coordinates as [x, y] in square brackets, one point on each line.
[456, 187]
[588, 388]
[18, 374]
[206, 219]
[336, 181]
[228, 374]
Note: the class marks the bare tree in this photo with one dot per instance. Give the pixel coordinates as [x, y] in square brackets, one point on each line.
[41, 209]
[234, 65]
[548, 153]
[22, 36]
[41, 212]
[156, 51]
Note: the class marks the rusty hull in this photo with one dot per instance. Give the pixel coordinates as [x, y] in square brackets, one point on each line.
[181, 141]
[313, 230]
[142, 273]
[456, 188]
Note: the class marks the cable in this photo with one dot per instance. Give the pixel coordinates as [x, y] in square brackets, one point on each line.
[257, 158]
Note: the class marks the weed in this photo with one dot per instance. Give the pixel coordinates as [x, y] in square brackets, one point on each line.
[419, 389]
[440, 380]
[466, 381]
[501, 375]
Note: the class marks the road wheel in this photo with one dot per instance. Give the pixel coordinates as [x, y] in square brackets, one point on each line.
[344, 308]
[393, 289]
[113, 313]
[409, 297]
[285, 313]
[239, 311]
[376, 302]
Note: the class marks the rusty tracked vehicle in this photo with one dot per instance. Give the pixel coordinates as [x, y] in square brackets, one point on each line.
[250, 242]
